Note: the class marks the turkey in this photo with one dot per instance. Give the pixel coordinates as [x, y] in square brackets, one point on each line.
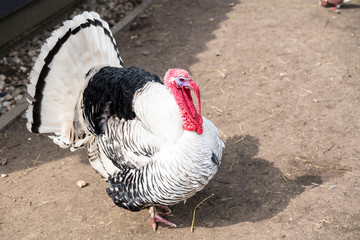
[145, 137]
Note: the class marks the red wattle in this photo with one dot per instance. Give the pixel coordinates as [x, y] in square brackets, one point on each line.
[192, 120]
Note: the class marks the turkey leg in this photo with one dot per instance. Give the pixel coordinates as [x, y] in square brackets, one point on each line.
[159, 216]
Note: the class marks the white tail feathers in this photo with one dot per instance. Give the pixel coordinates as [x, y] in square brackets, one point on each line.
[59, 77]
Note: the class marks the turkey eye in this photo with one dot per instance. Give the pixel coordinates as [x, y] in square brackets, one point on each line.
[181, 79]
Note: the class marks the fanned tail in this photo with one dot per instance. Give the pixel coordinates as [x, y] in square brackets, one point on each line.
[60, 74]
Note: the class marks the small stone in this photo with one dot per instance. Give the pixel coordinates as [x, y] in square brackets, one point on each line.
[211, 19]
[332, 186]
[146, 53]
[32, 53]
[8, 97]
[16, 59]
[143, 16]
[6, 104]
[138, 43]
[134, 24]
[111, 22]
[2, 77]
[13, 54]
[4, 175]
[18, 98]
[81, 183]
[282, 74]
[3, 161]
[23, 69]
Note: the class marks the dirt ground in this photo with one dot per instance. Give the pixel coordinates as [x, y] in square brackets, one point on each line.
[279, 78]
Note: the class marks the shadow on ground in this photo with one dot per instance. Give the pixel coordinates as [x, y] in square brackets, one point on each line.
[246, 188]
[23, 150]
[349, 6]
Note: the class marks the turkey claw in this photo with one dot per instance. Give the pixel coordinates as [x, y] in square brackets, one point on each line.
[159, 217]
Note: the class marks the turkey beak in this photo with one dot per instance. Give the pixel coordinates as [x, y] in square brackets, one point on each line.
[196, 90]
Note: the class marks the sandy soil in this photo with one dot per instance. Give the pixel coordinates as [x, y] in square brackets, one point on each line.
[280, 79]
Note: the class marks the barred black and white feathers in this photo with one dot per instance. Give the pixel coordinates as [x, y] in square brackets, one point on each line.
[146, 138]
[173, 174]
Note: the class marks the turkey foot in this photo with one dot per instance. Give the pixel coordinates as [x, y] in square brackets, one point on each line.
[159, 216]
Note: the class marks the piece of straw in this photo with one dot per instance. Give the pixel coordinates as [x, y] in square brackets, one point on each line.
[193, 220]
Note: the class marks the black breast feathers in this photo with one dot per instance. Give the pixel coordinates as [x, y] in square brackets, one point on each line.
[110, 92]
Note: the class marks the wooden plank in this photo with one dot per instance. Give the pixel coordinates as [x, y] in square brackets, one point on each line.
[8, 7]
[19, 109]
[13, 114]
[125, 23]
[28, 19]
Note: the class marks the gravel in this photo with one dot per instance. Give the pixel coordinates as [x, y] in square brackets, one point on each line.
[16, 66]
[81, 183]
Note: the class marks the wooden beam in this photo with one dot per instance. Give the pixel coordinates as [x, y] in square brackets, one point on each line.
[13, 114]
[22, 22]
[125, 23]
